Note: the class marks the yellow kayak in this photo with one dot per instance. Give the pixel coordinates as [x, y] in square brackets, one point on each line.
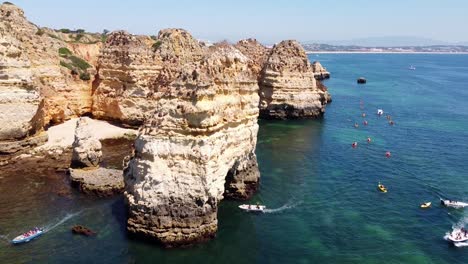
[382, 188]
[426, 205]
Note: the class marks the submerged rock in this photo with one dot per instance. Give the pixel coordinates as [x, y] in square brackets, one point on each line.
[81, 230]
[101, 182]
[288, 88]
[203, 134]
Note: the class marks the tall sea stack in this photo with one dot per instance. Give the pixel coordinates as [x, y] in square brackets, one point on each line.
[288, 88]
[196, 148]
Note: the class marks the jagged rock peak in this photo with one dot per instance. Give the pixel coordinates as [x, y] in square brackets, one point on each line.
[288, 55]
[255, 51]
[121, 38]
[178, 44]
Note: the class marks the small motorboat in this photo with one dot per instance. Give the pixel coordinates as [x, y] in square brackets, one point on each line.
[382, 188]
[454, 204]
[252, 208]
[426, 205]
[457, 235]
[28, 236]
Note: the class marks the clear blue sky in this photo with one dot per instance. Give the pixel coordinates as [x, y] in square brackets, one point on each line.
[267, 20]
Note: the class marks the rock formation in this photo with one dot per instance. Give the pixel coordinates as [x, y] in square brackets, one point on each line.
[99, 182]
[122, 89]
[87, 150]
[35, 90]
[19, 97]
[85, 172]
[197, 107]
[288, 88]
[256, 52]
[319, 71]
[203, 132]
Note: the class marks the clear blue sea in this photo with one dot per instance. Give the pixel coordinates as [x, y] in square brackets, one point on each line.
[323, 193]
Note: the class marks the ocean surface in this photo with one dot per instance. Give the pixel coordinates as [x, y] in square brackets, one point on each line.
[322, 193]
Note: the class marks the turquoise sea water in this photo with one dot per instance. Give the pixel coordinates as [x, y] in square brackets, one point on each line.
[323, 193]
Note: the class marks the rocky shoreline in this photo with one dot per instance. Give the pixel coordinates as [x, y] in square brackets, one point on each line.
[196, 108]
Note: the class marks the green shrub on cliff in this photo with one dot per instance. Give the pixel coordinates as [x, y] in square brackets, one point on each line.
[40, 32]
[76, 65]
[79, 62]
[156, 45]
[85, 76]
[64, 52]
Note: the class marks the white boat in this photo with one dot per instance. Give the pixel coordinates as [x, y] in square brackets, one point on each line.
[252, 208]
[458, 235]
[28, 236]
[454, 204]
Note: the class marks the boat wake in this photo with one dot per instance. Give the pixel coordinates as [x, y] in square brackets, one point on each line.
[458, 226]
[61, 221]
[287, 206]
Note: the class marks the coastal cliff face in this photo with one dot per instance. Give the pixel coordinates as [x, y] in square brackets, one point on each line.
[122, 88]
[197, 108]
[203, 133]
[288, 88]
[35, 90]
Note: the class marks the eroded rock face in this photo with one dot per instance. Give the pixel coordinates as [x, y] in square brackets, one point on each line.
[122, 91]
[288, 88]
[319, 71]
[205, 128]
[35, 89]
[87, 150]
[256, 52]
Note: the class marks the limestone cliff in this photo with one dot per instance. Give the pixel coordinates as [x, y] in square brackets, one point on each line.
[256, 52]
[35, 89]
[288, 88]
[122, 90]
[204, 131]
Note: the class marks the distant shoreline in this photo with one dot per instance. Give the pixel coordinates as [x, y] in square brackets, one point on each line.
[383, 52]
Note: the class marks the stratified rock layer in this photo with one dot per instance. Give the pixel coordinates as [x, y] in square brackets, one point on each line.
[288, 88]
[122, 90]
[204, 131]
[35, 90]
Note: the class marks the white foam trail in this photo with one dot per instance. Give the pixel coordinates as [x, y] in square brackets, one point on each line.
[282, 208]
[5, 238]
[63, 220]
[458, 226]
